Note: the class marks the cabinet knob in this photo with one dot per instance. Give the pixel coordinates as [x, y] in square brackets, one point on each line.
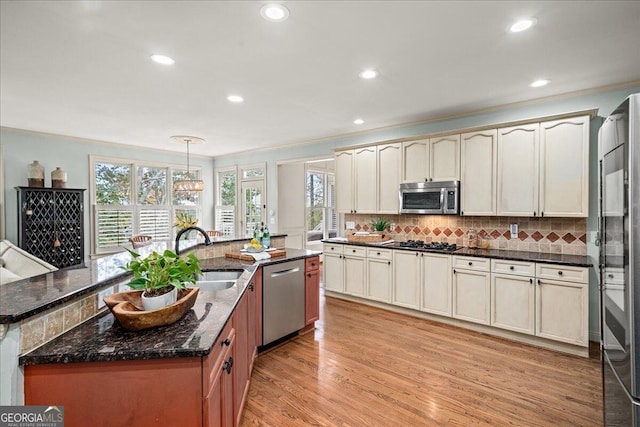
[417, 254]
[470, 263]
[538, 282]
[388, 262]
[530, 280]
[332, 248]
[308, 274]
[227, 365]
[313, 264]
[378, 253]
[534, 213]
[512, 268]
[560, 273]
[353, 250]
[461, 212]
[454, 271]
[541, 213]
[610, 276]
[251, 287]
[226, 342]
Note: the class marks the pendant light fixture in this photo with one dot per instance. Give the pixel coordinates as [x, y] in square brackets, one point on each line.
[188, 184]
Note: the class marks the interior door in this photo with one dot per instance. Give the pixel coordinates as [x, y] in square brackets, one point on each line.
[253, 205]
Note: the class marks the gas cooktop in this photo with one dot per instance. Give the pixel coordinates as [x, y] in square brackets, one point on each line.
[437, 246]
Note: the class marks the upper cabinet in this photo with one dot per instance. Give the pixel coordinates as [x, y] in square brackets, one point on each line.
[344, 181]
[518, 148]
[478, 162]
[434, 159]
[389, 171]
[564, 167]
[365, 180]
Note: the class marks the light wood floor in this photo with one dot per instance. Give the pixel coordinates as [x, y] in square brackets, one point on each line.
[364, 366]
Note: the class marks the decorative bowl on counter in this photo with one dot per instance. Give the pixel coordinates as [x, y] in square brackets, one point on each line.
[127, 308]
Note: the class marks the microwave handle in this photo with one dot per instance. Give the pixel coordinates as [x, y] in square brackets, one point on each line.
[442, 206]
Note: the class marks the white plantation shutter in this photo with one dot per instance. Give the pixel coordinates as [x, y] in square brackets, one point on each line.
[155, 223]
[114, 226]
[225, 220]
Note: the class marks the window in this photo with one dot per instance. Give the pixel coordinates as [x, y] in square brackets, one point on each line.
[226, 197]
[321, 216]
[240, 199]
[136, 198]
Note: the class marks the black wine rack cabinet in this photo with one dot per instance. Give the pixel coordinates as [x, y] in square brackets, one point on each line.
[51, 224]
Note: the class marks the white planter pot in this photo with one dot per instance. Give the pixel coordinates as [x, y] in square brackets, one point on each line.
[154, 303]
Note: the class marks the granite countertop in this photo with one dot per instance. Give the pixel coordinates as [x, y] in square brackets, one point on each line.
[103, 339]
[24, 298]
[563, 259]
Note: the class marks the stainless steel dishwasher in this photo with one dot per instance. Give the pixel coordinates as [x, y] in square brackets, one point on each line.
[282, 300]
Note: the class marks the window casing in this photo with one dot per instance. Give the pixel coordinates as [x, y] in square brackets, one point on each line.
[130, 198]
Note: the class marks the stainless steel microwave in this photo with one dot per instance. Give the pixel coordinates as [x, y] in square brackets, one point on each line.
[439, 198]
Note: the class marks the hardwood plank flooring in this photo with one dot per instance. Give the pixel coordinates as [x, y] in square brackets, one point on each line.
[364, 366]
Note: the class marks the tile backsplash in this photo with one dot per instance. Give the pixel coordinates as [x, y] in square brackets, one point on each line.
[553, 235]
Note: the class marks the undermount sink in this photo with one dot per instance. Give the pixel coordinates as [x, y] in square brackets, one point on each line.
[218, 280]
[220, 275]
[215, 285]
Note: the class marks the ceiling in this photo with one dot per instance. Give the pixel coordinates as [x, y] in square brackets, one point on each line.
[83, 68]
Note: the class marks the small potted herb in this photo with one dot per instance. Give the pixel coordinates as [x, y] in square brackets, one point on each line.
[160, 276]
[380, 224]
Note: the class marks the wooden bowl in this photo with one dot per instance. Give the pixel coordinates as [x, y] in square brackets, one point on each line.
[127, 308]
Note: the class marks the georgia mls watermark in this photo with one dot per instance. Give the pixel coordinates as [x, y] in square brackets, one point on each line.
[31, 416]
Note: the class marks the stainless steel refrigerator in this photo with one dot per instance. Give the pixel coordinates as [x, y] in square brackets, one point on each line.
[619, 160]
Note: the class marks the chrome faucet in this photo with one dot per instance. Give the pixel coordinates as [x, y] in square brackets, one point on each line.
[207, 240]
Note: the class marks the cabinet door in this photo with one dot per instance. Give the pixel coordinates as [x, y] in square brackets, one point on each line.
[518, 171]
[513, 303]
[389, 165]
[240, 356]
[564, 167]
[471, 296]
[217, 408]
[406, 277]
[312, 297]
[478, 162]
[333, 272]
[436, 284]
[444, 156]
[380, 279]
[366, 190]
[562, 311]
[354, 275]
[251, 324]
[344, 181]
[257, 277]
[415, 160]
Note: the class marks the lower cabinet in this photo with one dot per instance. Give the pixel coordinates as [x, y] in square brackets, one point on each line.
[217, 381]
[513, 298]
[406, 279]
[354, 270]
[333, 267]
[312, 291]
[436, 284]
[241, 356]
[471, 289]
[379, 274]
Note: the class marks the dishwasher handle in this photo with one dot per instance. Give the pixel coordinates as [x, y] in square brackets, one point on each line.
[285, 272]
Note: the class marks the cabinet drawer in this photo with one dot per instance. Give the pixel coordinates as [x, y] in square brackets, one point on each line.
[355, 251]
[312, 264]
[376, 253]
[562, 272]
[212, 363]
[472, 263]
[332, 248]
[518, 268]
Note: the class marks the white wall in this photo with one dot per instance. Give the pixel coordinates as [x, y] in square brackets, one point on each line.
[19, 148]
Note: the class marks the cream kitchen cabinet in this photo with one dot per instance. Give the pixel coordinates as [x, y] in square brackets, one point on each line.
[562, 303]
[344, 181]
[333, 267]
[478, 172]
[434, 159]
[471, 289]
[354, 270]
[389, 173]
[406, 279]
[365, 189]
[436, 283]
[564, 167]
[379, 274]
[518, 170]
[513, 295]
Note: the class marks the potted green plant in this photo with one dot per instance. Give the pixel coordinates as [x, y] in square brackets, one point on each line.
[160, 276]
[380, 224]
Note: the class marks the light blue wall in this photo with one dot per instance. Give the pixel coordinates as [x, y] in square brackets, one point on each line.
[604, 101]
[21, 148]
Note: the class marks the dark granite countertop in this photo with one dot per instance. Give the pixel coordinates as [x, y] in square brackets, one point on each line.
[24, 298]
[103, 339]
[571, 260]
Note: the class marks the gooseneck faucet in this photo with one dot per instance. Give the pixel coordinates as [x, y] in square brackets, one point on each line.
[207, 240]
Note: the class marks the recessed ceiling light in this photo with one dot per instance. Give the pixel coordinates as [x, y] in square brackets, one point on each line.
[358, 121]
[368, 74]
[522, 25]
[162, 59]
[274, 12]
[540, 83]
[235, 98]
